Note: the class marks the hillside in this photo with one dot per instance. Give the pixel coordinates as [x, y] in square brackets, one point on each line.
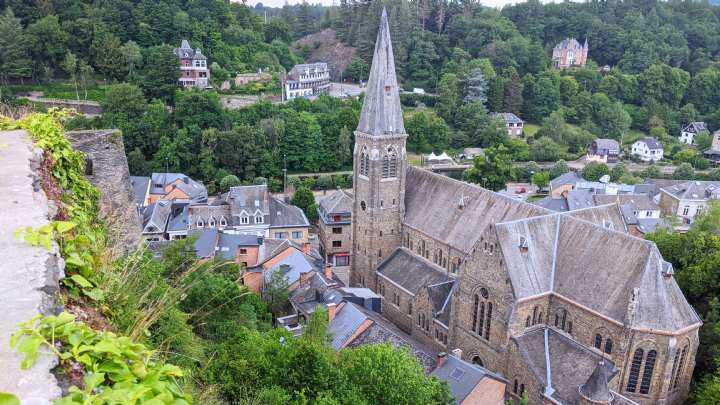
[324, 46]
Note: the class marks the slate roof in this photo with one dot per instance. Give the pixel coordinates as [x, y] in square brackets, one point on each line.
[569, 43]
[553, 204]
[571, 363]
[606, 145]
[651, 143]
[596, 387]
[185, 51]
[579, 198]
[156, 216]
[695, 127]
[347, 321]
[249, 199]
[693, 190]
[297, 70]
[565, 178]
[179, 218]
[292, 266]
[557, 262]
[411, 271]
[441, 300]
[195, 191]
[140, 187]
[228, 244]
[339, 202]
[206, 241]
[462, 377]
[285, 215]
[508, 117]
[641, 202]
[381, 113]
[432, 206]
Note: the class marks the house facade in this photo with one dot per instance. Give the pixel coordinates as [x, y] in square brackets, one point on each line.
[335, 232]
[194, 70]
[522, 291]
[569, 53]
[251, 210]
[604, 150]
[513, 123]
[691, 130]
[687, 200]
[647, 149]
[307, 80]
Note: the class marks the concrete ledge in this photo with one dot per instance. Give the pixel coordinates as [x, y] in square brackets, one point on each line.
[29, 275]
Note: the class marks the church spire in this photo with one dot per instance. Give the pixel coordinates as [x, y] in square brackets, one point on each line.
[381, 113]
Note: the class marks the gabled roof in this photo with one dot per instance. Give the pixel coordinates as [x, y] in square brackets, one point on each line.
[229, 243]
[140, 186]
[462, 377]
[348, 320]
[248, 199]
[640, 202]
[339, 202]
[565, 178]
[178, 219]
[381, 113]
[652, 143]
[206, 241]
[285, 215]
[410, 271]
[594, 266]
[603, 144]
[553, 204]
[195, 191]
[432, 206]
[569, 43]
[441, 300]
[156, 216]
[508, 117]
[695, 127]
[693, 189]
[292, 266]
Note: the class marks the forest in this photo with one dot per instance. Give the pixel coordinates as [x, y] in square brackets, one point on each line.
[662, 72]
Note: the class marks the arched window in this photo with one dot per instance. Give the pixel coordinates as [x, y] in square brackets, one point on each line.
[534, 318]
[557, 320]
[564, 318]
[386, 167]
[200, 223]
[540, 318]
[211, 222]
[569, 327]
[478, 361]
[362, 205]
[475, 313]
[244, 219]
[598, 341]
[489, 321]
[648, 372]
[223, 221]
[527, 321]
[515, 387]
[679, 366]
[608, 346]
[522, 389]
[635, 370]
[392, 169]
[364, 162]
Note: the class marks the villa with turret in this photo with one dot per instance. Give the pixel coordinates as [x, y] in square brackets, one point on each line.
[194, 71]
[569, 53]
[568, 307]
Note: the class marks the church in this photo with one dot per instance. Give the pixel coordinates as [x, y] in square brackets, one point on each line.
[568, 307]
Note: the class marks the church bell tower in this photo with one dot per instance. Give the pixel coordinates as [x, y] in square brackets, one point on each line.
[379, 163]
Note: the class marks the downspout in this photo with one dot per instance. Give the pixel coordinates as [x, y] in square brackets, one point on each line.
[549, 391]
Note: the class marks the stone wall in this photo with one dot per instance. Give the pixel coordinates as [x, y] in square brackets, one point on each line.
[108, 171]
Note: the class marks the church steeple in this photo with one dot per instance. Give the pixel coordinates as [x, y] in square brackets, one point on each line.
[379, 167]
[381, 113]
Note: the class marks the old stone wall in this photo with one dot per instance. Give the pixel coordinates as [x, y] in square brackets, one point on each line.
[29, 275]
[396, 311]
[438, 252]
[107, 169]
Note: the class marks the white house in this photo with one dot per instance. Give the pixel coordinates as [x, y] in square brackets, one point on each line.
[307, 80]
[688, 134]
[688, 199]
[648, 149]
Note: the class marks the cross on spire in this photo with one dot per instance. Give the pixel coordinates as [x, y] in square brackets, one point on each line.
[381, 113]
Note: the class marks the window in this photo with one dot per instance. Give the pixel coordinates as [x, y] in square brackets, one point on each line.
[223, 221]
[362, 205]
[475, 313]
[686, 210]
[534, 318]
[297, 235]
[608, 346]
[211, 223]
[337, 243]
[243, 251]
[527, 322]
[598, 341]
[678, 367]
[477, 360]
[259, 219]
[342, 260]
[648, 372]
[634, 371]
[489, 321]
[337, 231]
[569, 328]
[540, 317]
[364, 162]
[515, 387]
[280, 235]
[244, 219]
[409, 307]
[200, 223]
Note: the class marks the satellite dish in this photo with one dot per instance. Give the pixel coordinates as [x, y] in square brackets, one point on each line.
[605, 179]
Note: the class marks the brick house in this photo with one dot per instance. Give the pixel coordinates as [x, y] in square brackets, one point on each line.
[194, 71]
[569, 53]
[530, 294]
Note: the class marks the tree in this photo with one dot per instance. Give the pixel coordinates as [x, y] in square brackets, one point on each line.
[684, 172]
[427, 132]
[48, 42]
[108, 58]
[229, 181]
[357, 70]
[305, 200]
[159, 74]
[448, 97]
[559, 168]
[593, 171]
[493, 134]
[651, 172]
[85, 75]
[617, 172]
[14, 61]
[545, 149]
[475, 87]
[70, 66]
[276, 293]
[541, 179]
[325, 182]
[493, 170]
[132, 55]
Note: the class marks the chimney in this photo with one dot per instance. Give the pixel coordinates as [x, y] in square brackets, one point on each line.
[332, 310]
[441, 358]
[328, 272]
[457, 353]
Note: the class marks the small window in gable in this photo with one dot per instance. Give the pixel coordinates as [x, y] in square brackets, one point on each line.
[259, 219]
[244, 219]
[200, 223]
[523, 244]
[211, 222]
[223, 221]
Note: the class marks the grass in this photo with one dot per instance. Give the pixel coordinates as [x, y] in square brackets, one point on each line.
[530, 129]
[414, 159]
[633, 135]
[536, 197]
[63, 90]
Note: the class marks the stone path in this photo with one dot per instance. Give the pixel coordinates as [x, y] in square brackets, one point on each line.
[27, 273]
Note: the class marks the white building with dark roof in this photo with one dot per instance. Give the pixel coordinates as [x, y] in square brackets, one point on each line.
[647, 149]
[691, 130]
[535, 295]
[513, 123]
[307, 80]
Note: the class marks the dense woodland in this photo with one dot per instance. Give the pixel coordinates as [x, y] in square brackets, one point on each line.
[664, 72]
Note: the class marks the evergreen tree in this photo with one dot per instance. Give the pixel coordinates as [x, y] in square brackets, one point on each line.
[475, 87]
[14, 61]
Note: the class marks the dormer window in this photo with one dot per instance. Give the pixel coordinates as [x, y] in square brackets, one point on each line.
[223, 221]
[245, 219]
[211, 223]
[259, 219]
[200, 223]
[523, 244]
